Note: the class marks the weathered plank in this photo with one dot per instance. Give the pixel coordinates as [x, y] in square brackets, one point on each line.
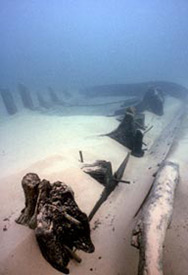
[154, 218]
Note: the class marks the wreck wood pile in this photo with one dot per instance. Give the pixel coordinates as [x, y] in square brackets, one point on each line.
[60, 226]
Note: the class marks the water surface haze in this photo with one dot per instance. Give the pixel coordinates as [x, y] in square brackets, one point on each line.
[78, 43]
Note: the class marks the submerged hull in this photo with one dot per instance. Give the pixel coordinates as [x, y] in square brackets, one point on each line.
[135, 89]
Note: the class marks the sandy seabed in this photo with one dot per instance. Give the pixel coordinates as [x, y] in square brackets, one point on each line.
[49, 146]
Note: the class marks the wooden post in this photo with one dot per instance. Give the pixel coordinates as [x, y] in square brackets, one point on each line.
[153, 220]
[42, 102]
[25, 96]
[8, 102]
[54, 98]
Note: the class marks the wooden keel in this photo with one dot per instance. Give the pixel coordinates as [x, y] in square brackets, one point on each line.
[153, 220]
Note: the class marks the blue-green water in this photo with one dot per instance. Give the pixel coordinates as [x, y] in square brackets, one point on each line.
[72, 44]
[85, 58]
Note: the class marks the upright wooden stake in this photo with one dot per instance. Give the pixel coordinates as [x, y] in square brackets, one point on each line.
[81, 156]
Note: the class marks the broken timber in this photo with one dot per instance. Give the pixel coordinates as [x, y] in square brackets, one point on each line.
[154, 218]
[111, 181]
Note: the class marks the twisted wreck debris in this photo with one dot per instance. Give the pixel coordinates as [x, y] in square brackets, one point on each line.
[152, 101]
[59, 224]
[102, 172]
[129, 132]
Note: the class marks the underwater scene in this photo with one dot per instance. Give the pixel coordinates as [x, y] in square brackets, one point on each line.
[93, 137]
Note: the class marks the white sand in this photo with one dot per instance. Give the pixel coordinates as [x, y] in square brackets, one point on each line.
[49, 145]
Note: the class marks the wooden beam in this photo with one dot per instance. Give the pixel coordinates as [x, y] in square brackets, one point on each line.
[154, 218]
